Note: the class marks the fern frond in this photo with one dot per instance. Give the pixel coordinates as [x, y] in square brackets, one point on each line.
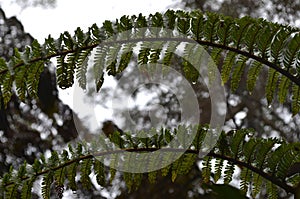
[271, 86]
[20, 79]
[296, 99]
[81, 67]
[218, 169]
[152, 177]
[6, 83]
[238, 72]
[64, 72]
[85, 171]
[182, 165]
[286, 161]
[283, 88]
[46, 183]
[237, 143]
[100, 172]
[72, 171]
[124, 61]
[165, 170]
[128, 178]
[259, 161]
[229, 62]
[272, 191]
[262, 43]
[262, 150]
[228, 172]
[206, 170]
[98, 67]
[277, 45]
[291, 52]
[59, 176]
[246, 178]
[34, 73]
[253, 75]
[257, 183]
[27, 188]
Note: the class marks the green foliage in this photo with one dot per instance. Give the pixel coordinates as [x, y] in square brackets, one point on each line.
[245, 41]
[236, 45]
[263, 162]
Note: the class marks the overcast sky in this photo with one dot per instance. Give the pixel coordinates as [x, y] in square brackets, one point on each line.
[70, 14]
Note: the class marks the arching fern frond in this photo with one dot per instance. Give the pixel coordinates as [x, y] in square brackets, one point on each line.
[261, 161]
[244, 42]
